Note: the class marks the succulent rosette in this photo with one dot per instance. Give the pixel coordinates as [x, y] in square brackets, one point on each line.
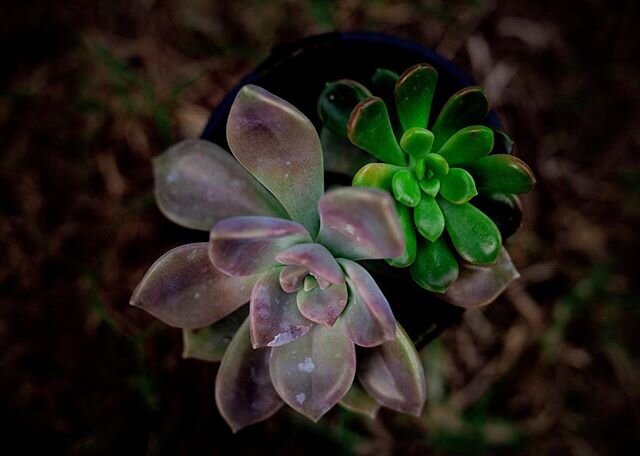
[281, 244]
[434, 170]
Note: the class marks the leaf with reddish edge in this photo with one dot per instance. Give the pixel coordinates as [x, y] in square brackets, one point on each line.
[244, 392]
[413, 93]
[197, 183]
[368, 319]
[315, 258]
[502, 173]
[242, 246]
[360, 223]
[479, 285]
[210, 343]
[357, 400]
[291, 278]
[183, 289]
[323, 306]
[393, 375]
[314, 372]
[274, 315]
[276, 143]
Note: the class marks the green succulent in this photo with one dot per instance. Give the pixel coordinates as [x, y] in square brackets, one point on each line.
[433, 169]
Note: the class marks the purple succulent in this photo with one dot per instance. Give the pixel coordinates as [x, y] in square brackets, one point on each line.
[280, 243]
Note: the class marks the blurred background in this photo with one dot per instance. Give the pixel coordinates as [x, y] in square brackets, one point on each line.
[91, 90]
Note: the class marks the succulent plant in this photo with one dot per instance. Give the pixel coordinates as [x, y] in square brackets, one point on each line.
[433, 173]
[281, 244]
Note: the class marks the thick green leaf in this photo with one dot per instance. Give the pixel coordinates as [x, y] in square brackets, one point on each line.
[457, 186]
[468, 144]
[274, 315]
[360, 224]
[437, 164]
[241, 246]
[368, 319]
[323, 306]
[502, 173]
[276, 143]
[183, 289]
[376, 175]
[405, 188]
[435, 268]
[340, 156]
[414, 93]
[468, 106]
[473, 234]
[392, 374]
[197, 183]
[357, 400]
[210, 343]
[503, 208]
[479, 285]
[430, 186]
[336, 102]
[313, 373]
[405, 218]
[428, 218]
[417, 142]
[244, 392]
[370, 128]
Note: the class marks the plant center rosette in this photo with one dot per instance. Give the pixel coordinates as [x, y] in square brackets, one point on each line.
[281, 244]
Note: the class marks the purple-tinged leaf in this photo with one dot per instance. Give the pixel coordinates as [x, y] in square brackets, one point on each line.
[368, 319]
[276, 143]
[197, 183]
[242, 246]
[244, 392]
[315, 258]
[323, 306]
[479, 285]
[360, 223]
[210, 343]
[392, 373]
[274, 315]
[314, 372]
[184, 290]
[291, 278]
[357, 400]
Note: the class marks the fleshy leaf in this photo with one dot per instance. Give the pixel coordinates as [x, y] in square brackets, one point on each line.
[360, 223]
[503, 208]
[336, 102]
[340, 156]
[370, 129]
[405, 188]
[437, 164]
[457, 186]
[414, 93]
[183, 289]
[323, 306]
[428, 218]
[315, 258]
[435, 268]
[248, 245]
[405, 217]
[314, 372]
[210, 343]
[278, 145]
[197, 183]
[430, 186]
[393, 375]
[468, 144]
[274, 316]
[368, 319]
[357, 400]
[244, 392]
[376, 175]
[417, 142]
[479, 285]
[468, 106]
[502, 173]
[473, 234]
[503, 144]
[291, 278]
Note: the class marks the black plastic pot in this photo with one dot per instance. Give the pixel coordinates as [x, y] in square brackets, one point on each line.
[297, 72]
